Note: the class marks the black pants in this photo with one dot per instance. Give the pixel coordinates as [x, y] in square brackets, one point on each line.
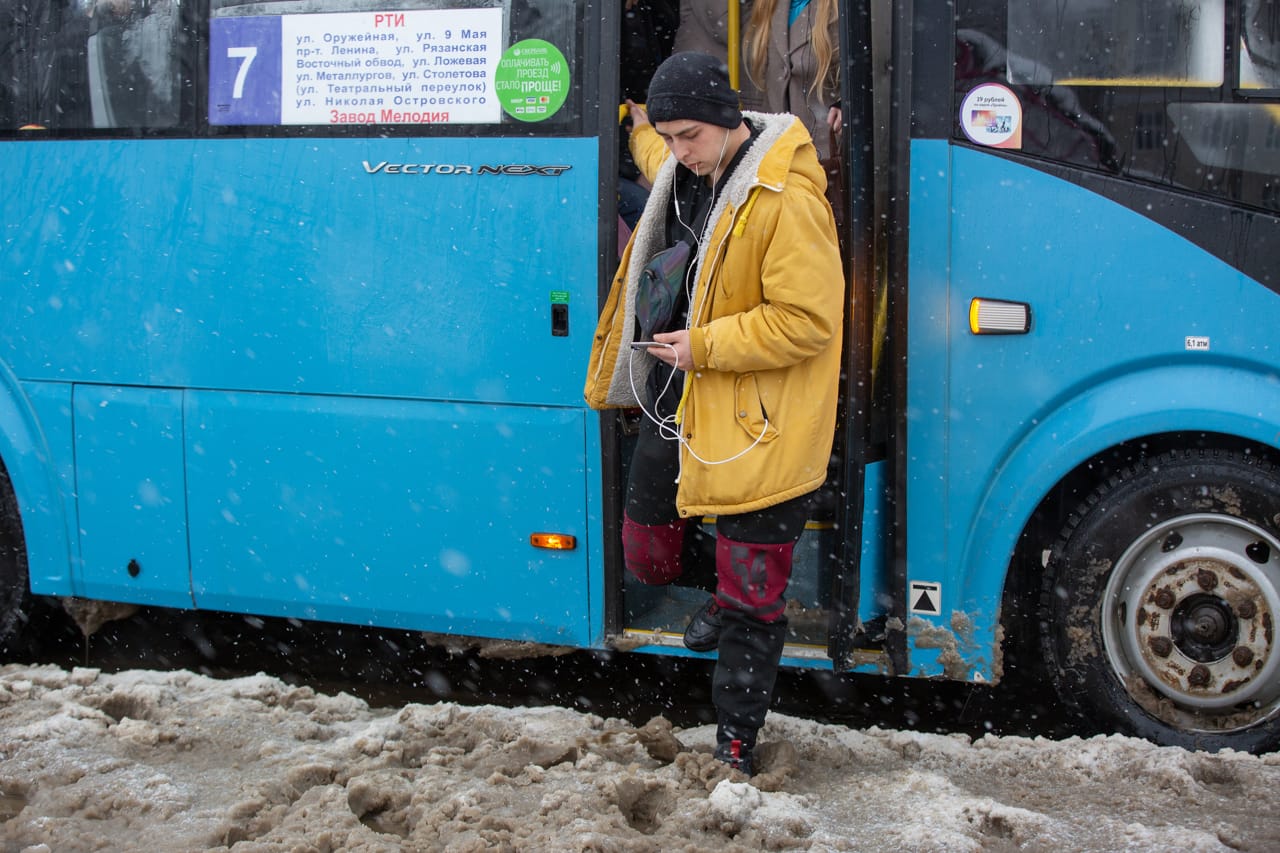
[753, 567]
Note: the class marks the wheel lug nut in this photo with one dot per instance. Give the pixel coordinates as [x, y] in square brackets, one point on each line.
[1242, 655]
[1246, 610]
[1206, 579]
[1164, 598]
[1199, 676]
[1162, 646]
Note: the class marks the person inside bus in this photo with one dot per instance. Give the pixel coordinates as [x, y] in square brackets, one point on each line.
[791, 50]
[734, 276]
[704, 28]
[648, 30]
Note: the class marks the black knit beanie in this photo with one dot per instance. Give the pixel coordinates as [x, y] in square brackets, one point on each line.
[693, 86]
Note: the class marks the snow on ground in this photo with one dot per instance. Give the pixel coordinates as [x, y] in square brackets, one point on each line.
[175, 761]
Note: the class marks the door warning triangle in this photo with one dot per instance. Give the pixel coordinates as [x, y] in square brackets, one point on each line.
[925, 598]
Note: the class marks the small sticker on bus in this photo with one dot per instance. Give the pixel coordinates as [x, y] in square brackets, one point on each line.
[532, 80]
[925, 598]
[1197, 342]
[991, 115]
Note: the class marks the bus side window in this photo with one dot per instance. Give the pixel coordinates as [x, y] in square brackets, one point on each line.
[553, 21]
[549, 20]
[1260, 56]
[136, 52]
[72, 65]
[11, 88]
[43, 68]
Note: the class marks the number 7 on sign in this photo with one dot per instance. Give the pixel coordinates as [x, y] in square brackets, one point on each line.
[247, 55]
[236, 45]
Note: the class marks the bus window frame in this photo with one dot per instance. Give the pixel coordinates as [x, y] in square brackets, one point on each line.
[193, 120]
[185, 127]
[1235, 58]
[506, 127]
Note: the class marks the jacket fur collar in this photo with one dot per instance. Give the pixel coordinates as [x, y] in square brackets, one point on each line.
[650, 237]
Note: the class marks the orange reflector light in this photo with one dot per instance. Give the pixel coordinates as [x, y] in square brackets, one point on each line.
[999, 317]
[553, 541]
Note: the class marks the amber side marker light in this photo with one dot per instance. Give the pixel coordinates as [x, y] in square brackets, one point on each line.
[999, 317]
[553, 541]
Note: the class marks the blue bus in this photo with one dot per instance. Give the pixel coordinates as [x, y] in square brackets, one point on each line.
[298, 297]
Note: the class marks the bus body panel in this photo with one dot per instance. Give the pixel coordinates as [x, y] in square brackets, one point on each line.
[327, 266]
[877, 517]
[397, 513]
[1123, 344]
[131, 495]
[591, 544]
[336, 280]
[926, 488]
[34, 422]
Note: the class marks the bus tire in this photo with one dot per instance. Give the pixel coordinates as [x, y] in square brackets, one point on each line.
[1161, 599]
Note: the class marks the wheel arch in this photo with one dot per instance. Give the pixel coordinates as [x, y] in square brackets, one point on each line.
[37, 496]
[1068, 452]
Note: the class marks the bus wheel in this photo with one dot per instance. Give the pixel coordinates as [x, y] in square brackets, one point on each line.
[1161, 601]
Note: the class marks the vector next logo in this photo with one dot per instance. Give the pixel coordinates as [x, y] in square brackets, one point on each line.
[385, 168]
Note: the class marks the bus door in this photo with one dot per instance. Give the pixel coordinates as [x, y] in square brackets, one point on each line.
[830, 605]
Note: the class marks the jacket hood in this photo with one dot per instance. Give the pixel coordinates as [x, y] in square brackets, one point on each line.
[773, 159]
[770, 162]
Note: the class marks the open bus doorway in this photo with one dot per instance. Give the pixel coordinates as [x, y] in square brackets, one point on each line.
[822, 595]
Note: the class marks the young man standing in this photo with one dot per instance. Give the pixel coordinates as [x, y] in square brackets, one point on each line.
[738, 244]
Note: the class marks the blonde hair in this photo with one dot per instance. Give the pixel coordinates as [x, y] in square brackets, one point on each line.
[824, 44]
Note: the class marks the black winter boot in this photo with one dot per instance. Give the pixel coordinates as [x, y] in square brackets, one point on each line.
[737, 755]
[742, 686]
[703, 633]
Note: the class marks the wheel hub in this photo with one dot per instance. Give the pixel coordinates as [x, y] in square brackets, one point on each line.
[1191, 609]
[1204, 628]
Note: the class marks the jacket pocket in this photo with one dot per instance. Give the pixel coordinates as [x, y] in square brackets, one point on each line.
[750, 412]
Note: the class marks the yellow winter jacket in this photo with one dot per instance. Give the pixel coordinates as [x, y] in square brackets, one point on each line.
[765, 325]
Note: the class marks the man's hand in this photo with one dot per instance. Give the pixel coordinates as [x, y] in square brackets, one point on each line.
[679, 354]
[636, 114]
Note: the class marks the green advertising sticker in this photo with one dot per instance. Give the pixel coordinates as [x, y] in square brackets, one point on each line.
[532, 80]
